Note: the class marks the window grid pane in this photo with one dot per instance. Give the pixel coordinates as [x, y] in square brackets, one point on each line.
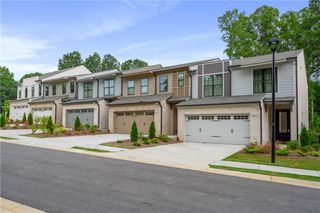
[131, 87]
[163, 83]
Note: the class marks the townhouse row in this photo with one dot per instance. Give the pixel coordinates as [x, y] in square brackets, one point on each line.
[212, 101]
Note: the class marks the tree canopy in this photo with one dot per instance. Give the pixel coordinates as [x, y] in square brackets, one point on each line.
[69, 60]
[133, 64]
[109, 62]
[8, 85]
[32, 74]
[93, 62]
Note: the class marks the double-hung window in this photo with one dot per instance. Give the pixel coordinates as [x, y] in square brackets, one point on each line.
[19, 94]
[163, 80]
[54, 89]
[40, 90]
[144, 86]
[213, 85]
[32, 91]
[262, 82]
[46, 90]
[71, 87]
[180, 79]
[26, 92]
[130, 87]
[87, 90]
[64, 88]
[109, 87]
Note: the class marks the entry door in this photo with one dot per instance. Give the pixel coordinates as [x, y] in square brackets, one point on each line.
[283, 124]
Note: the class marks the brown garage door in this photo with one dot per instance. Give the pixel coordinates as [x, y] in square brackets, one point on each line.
[123, 121]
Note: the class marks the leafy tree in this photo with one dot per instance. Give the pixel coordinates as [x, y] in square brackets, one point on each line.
[93, 62]
[77, 124]
[304, 137]
[152, 130]
[109, 62]
[24, 119]
[2, 120]
[69, 60]
[6, 108]
[50, 126]
[133, 64]
[134, 132]
[30, 119]
[8, 85]
[30, 75]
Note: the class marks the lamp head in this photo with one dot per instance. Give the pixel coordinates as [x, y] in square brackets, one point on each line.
[273, 44]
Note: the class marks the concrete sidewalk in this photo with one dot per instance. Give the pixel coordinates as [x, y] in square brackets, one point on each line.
[268, 168]
[8, 206]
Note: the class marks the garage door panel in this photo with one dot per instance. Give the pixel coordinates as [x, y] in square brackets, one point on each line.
[124, 120]
[86, 116]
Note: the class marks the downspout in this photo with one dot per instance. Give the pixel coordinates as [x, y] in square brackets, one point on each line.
[55, 111]
[155, 86]
[190, 75]
[76, 95]
[98, 113]
[260, 123]
[98, 88]
[159, 102]
[297, 99]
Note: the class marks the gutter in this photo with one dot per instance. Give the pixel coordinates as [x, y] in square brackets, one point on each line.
[55, 111]
[159, 102]
[98, 113]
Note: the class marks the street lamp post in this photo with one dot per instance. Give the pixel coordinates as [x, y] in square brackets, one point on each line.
[273, 43]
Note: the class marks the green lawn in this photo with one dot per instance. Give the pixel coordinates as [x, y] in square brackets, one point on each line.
[7, 138]
[301, 177]
[293, 162]
[89, 149]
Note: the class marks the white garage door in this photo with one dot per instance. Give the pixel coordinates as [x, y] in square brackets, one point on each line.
[18, 111]
[220, 129]
[85, 116]
[42, 112]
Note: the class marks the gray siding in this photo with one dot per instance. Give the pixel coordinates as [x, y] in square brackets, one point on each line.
[227, 84]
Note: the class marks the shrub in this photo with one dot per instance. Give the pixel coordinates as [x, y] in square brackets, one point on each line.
[251, 149]
[30, 119]
[164, 138]
[60, 130]
[152, 130]
[134, 132]
[119, 141]
[301, 153]
[2, 120]
[146, 141]
[293, 145]
[87, 126]
[50, 126]
[316, 146]
[154, 140]
[306, 149]
[24, 119]
[304, 137]
[140, 135]
[315, 154]
[282, 152]
[34, 128]
[93, 128]
[136, 143]
[77, 124]
[313, 136]
[266, 148]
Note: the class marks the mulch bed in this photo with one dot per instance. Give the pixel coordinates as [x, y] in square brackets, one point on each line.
[127, 144]
[66, 134]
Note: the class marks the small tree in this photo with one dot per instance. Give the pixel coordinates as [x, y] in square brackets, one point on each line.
[50, 126]
[304, 137]
[152, 130]
[30, 119]
[77, 124]
[2, 120]
[134, 132]
[24, 118]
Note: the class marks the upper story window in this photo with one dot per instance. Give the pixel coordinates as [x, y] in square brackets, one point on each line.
[64, 88]
[262, 82]
[19, 94]
[26, 92]
[72, 87]
[40, 90]
[180, 79]
[87, 90]
[131, 87]
[213, 85]
[46, 90]
[109, 87]
[144, 86]
[54, 89]
[32, 91]
[163, 80]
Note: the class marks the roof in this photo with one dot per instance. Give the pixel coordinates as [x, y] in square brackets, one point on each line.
[281, 99]
[220, 100]
[46, 99]
[177, 99]
[65, 74]
[86, 100]
[99, 75]
[140, 99]
[265, 58]
[187, 64]
[141, 70]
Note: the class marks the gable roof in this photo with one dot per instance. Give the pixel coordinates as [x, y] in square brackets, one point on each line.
[98, 75]
[140, 99]
[141, 70]
[56, 75]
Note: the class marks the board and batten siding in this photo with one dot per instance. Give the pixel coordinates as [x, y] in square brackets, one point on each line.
[242, 80]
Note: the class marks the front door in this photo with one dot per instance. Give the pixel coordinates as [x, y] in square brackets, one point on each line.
[283, 124]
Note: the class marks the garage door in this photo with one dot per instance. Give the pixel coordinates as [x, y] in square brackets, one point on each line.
[17, 112]
[85, 116]
[123, 121]
[42, 112]
[220, 129]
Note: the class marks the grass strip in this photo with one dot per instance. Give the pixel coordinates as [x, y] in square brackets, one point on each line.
[7, 138]
[263, 172]
[89, 149]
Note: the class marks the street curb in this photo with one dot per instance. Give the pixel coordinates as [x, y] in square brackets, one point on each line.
[10, 206]
[260, 177]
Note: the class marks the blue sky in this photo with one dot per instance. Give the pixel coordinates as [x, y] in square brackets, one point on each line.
[35, 34]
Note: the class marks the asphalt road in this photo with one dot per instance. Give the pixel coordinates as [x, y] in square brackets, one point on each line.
[56, 181]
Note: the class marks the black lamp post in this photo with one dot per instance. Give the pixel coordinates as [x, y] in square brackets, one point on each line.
[273, 43]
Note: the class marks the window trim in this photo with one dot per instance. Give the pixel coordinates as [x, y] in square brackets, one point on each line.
[71, 87]
[163, 83]
[142, 86]
[133, 87]
[183, 79]
[109, 87]
[64, 88]
[54, 89]
[46, 90]
[212, 85]
[263, 80]
[86, 91]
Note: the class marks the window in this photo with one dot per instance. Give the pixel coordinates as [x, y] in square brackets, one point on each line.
[180, 79]
[139, 113]
[40, 89]
[46, 90]
[87, 90]
[240, 117]
[163, 83]
[32, 91]
[130, 87]
[224, 117]
[208, 117]
[192, 117]
[64, 88]
[26, 92]
[213, 85]
[72, 87]
[262, 80]
[150, 113]
[19, 94]
[54, 89]
[109, 87]
[144, 86]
